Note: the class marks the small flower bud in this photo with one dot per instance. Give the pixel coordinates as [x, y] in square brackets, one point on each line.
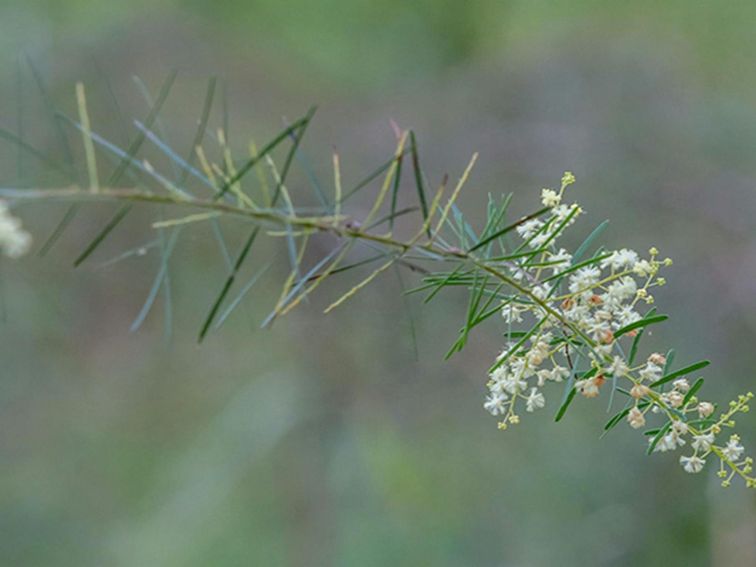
[639, 391]
[636, 419]
[607, 337]
[658, 359]
[567, 179]
[705, 409]
[682, 385]
[675, 399]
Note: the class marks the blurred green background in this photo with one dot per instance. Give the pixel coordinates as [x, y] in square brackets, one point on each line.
[326, 441]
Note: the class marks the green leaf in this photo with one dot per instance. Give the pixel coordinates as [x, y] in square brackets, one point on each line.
[661, 433]
[558, 230]
[637, 338]
[237, 300]
[395, 190]
[575, 267]
[418, 178]
[583, 248]
[115, 177]
[390, 217]
[371, 176]
[201, 127]
[297, 135]
[614, 421]
[136, 144]
[642, 323]
[442, 284]
[483, 241]
[284, 134]
[495, 215]
[517, 345]
[11, 137]
[682, 372]
[692, 392]
[565, 404]
[160, 279]
[228, 283]
[119, 215]
[670, 360]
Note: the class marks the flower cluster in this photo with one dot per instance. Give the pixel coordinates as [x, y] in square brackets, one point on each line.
[14, 240]
[583, 319]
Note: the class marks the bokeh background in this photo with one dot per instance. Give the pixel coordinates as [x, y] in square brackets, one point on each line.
[328, 440]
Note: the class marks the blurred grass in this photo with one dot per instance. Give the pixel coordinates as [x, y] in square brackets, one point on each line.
[323, 441]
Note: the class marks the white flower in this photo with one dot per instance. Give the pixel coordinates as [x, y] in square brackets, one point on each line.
[518, 273]
[669, 442]
[500, 379]
[657, 358]
[512, 313]
[618, 367]
[639, 390]
[733, 450]
[602, 314]
[535, 400]
[650, 372]
[538, 353]
[577, 312]
[584, 278]
[14, 241]
[702, 442]
[621, 290]
[543, 376]
[664, 444]
[529, 228]
[495, 403]
[589, 387]
[597, 328]
[643, 268]
[541, 291]
[561, 212]
[559, 373]
[675, 399]
[521, 368]
[705, 409]
[626, 315]
[680, 427]
[561, 259]
[513, 384]
[635, 418]
[682, 385]
[550, 198]
[693, 464]
[621, 259]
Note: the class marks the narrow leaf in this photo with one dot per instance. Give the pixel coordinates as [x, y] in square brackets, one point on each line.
[642, 323]
[682, 372]
[565, 404]
[228, 283]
